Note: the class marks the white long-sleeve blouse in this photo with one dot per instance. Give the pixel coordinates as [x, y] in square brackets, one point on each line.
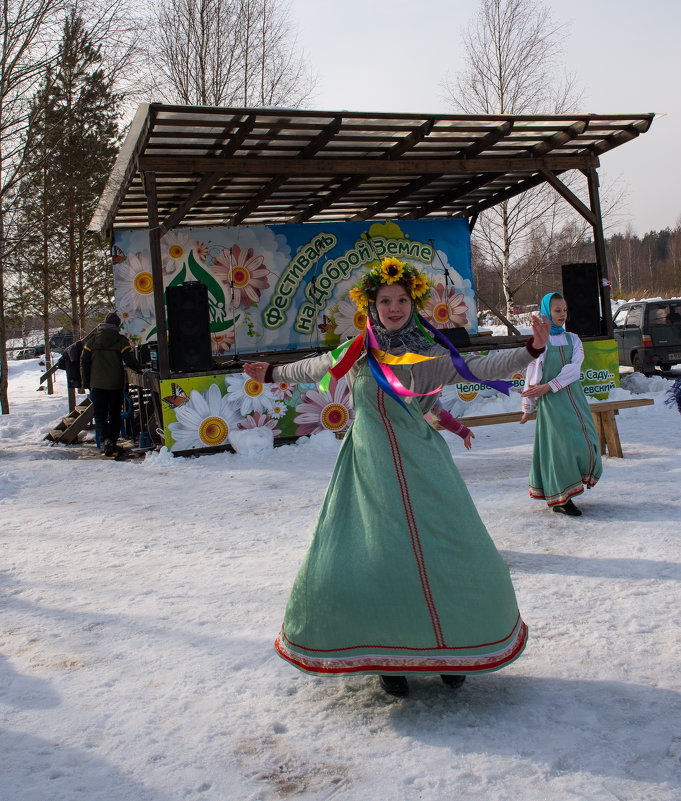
[570, 372]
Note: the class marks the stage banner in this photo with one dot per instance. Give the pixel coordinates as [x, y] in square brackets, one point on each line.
[600, 374]
[285, 287]
[199, 412]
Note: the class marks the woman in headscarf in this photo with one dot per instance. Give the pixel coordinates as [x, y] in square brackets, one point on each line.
[401, 576]
[566, 456]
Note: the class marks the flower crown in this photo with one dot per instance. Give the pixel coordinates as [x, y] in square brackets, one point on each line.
[390, 271]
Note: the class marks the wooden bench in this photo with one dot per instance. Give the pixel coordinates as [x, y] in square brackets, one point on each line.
[603, 413]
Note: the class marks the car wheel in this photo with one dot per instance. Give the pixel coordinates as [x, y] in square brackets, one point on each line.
[637, 364]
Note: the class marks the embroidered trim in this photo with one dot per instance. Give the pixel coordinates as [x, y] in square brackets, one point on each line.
[366, 663]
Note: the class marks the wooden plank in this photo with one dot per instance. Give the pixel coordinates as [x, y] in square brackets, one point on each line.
[607, 406]
[604, 418]
[266, 165]
[494, 419]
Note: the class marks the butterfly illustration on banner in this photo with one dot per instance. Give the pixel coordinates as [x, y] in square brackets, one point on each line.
[177, 398]
[117, 255]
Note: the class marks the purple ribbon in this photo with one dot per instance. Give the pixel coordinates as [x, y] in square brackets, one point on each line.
[460, 365]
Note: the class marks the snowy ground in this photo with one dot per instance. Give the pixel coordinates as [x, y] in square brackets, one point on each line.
[140, 601]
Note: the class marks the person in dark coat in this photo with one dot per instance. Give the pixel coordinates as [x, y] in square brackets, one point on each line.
[101, 369]
[70, 361]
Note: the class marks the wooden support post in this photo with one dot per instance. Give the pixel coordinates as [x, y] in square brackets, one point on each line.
[599, 247]
[157, 274]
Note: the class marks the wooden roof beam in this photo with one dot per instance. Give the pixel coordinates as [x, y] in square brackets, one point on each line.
[559, 138]
[488, 140]
[609, 142]
[570, 196]
[296, 167]
[506, 194]
[208, 181]
[346, 185]
[449, 197]
[319, 142]
[395, 198]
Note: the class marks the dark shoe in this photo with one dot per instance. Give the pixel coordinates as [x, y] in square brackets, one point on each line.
[452, 681]
[108, 447]
[394, 685]
[568, 509]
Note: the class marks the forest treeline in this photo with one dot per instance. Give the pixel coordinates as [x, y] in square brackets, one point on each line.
[638, 266]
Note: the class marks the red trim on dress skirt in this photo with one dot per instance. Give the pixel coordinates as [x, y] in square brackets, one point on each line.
[409, 516]
[401, 664]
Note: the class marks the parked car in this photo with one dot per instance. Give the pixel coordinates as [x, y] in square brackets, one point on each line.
[30, 353]
[648, 334]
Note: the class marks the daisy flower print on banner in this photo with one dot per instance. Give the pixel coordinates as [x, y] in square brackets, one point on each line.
[175, 250]
[203, 421]
[446, 307]
[319, 411]
[247, 395]
[257, 420]
[349, 320]
[221, 342]
[134, 285]
[245, 272]
[283, 390]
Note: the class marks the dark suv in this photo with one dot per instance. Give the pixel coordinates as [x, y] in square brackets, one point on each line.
[648, 334]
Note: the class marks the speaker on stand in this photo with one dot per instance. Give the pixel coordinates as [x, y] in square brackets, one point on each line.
[582, 295]
[189, 345]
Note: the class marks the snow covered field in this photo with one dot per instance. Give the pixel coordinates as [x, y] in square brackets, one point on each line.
[140, 600]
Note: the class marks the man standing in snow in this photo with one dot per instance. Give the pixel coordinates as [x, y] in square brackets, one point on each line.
[101, 370]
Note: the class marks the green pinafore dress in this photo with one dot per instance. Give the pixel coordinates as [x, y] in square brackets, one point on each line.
[566, 456]
[401, 575]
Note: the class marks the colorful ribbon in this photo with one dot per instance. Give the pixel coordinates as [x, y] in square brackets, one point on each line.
[348, 353]
[457, 360]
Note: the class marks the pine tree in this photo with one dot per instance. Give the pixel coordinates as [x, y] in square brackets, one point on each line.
[85, 105]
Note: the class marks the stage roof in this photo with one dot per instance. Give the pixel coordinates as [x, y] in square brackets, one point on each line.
[233, 166]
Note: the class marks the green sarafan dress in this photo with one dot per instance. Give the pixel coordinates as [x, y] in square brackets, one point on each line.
[566, 456]
[401, 575]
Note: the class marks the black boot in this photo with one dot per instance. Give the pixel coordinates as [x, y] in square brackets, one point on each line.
[568, 509]
[394, 685]
[452, 681]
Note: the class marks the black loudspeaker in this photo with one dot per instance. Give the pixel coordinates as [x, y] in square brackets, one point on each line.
[457, 336]
[188, 327]
[582, 295]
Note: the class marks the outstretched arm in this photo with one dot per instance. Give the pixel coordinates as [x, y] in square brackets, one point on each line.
[257, 371]
[541, 328]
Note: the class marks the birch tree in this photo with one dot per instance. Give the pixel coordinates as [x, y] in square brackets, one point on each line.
[226, 53]
[512, 54]
[28, 36]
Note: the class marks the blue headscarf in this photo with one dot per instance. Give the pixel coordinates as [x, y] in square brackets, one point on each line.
[545, 309]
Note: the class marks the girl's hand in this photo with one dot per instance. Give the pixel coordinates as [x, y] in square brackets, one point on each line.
[524, 418]
[467, 440]
[541, 327]
[256, 371]
[536, 390]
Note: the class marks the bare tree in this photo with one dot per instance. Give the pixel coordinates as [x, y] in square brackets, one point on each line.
[28, 46]
[512, 67]
[227, 52]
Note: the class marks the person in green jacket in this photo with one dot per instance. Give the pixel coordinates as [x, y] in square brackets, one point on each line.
[101, 369]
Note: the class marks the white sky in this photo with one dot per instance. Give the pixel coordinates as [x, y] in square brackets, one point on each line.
[393, 55]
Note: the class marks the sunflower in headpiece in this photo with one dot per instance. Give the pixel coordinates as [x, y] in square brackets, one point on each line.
[390, 271]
